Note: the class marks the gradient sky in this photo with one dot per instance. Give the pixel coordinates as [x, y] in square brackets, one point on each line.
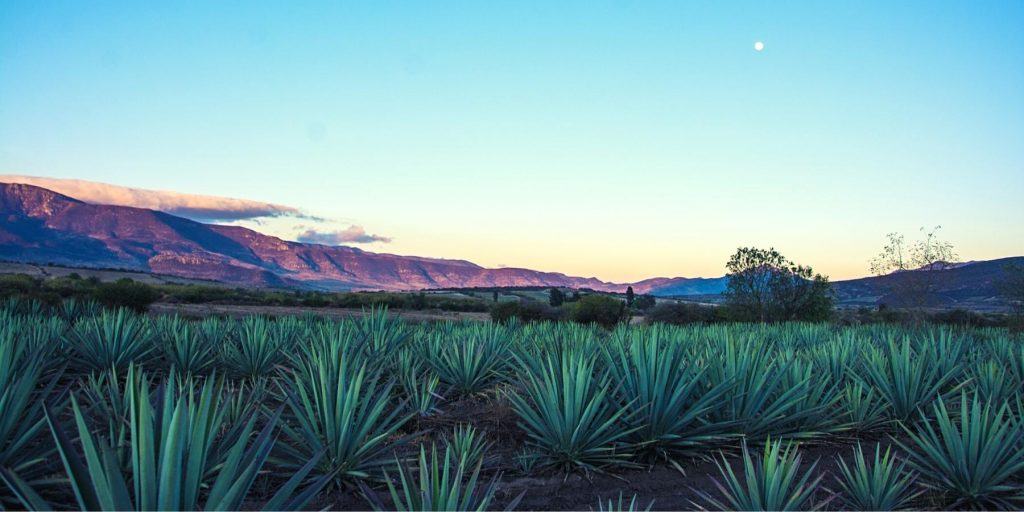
[617, 139]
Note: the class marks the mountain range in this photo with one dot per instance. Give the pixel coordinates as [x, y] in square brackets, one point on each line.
[41, 226]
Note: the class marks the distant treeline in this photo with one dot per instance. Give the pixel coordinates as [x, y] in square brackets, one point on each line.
[138, 296]
[589, 307]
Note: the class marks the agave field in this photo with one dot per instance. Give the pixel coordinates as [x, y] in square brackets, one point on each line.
[106, 410]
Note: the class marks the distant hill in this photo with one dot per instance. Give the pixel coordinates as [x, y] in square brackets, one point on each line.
[41, 226]
[970, 285]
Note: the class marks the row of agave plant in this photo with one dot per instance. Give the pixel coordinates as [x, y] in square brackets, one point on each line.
[114, 410]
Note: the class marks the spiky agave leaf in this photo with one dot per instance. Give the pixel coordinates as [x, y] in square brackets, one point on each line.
[171, 439]
[621, 505]
[184, 346]
[906, 379]
[993, 382]
[451, 483]
[469, 360]
[666, 396]
[469, 445]
[773, 481]
[340, 407]
[256, 349]
[111, 340]
[566, 409]
[419, 384]
[24, 461]
[972, 456]
[764, 398]
[882, 484]
[862, 408]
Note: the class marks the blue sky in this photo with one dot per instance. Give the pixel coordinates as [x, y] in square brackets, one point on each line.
[618, 139]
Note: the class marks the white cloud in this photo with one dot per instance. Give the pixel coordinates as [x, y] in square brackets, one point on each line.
[193, 206]
[270, 218]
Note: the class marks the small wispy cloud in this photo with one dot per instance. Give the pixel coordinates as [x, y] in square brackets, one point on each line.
[350, 235]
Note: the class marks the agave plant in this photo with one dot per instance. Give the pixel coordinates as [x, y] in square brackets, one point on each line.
[380, 334]
[906, 379]
[472, 360]
[419, 385]
[24, 460]
[185, 347]
[665, 397]
[622, 506]
[257, 348]
[862, 408]
[883, 484]
[468, 444]
[340, 407]
[112, 340]
[567, 411]
[993, 382]
[447, 483]
[73, 309]
[973, 456]
[763, 399]
[175, 461]
[773, 481]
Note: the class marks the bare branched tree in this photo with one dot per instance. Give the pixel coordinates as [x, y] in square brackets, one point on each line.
[917, 266]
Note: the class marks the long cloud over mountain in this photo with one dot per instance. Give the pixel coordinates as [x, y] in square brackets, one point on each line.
[202, 208]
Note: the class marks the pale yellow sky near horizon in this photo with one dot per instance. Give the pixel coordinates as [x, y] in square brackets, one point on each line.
[612, 250]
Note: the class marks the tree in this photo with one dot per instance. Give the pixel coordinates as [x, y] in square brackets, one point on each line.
[644, 302]
[764, 286]
[555, 297]
[916, 267]
[629, 296]
[495, 296]
[599, 309]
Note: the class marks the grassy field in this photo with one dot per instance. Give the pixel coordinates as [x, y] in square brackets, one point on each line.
[103, 409]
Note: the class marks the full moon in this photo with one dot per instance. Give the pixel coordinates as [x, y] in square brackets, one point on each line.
[759, 46]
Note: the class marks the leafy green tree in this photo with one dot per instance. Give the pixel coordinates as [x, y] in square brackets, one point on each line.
[556, 297]
[764, 286]
[629, 296]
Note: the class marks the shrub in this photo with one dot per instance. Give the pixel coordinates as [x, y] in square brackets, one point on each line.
[682, 313]
[599, 309]
[126, 293]
[526, 311]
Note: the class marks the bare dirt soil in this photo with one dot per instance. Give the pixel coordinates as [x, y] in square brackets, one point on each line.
[668, 487]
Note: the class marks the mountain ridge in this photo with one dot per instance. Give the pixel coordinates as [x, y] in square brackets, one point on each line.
[41, 226]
